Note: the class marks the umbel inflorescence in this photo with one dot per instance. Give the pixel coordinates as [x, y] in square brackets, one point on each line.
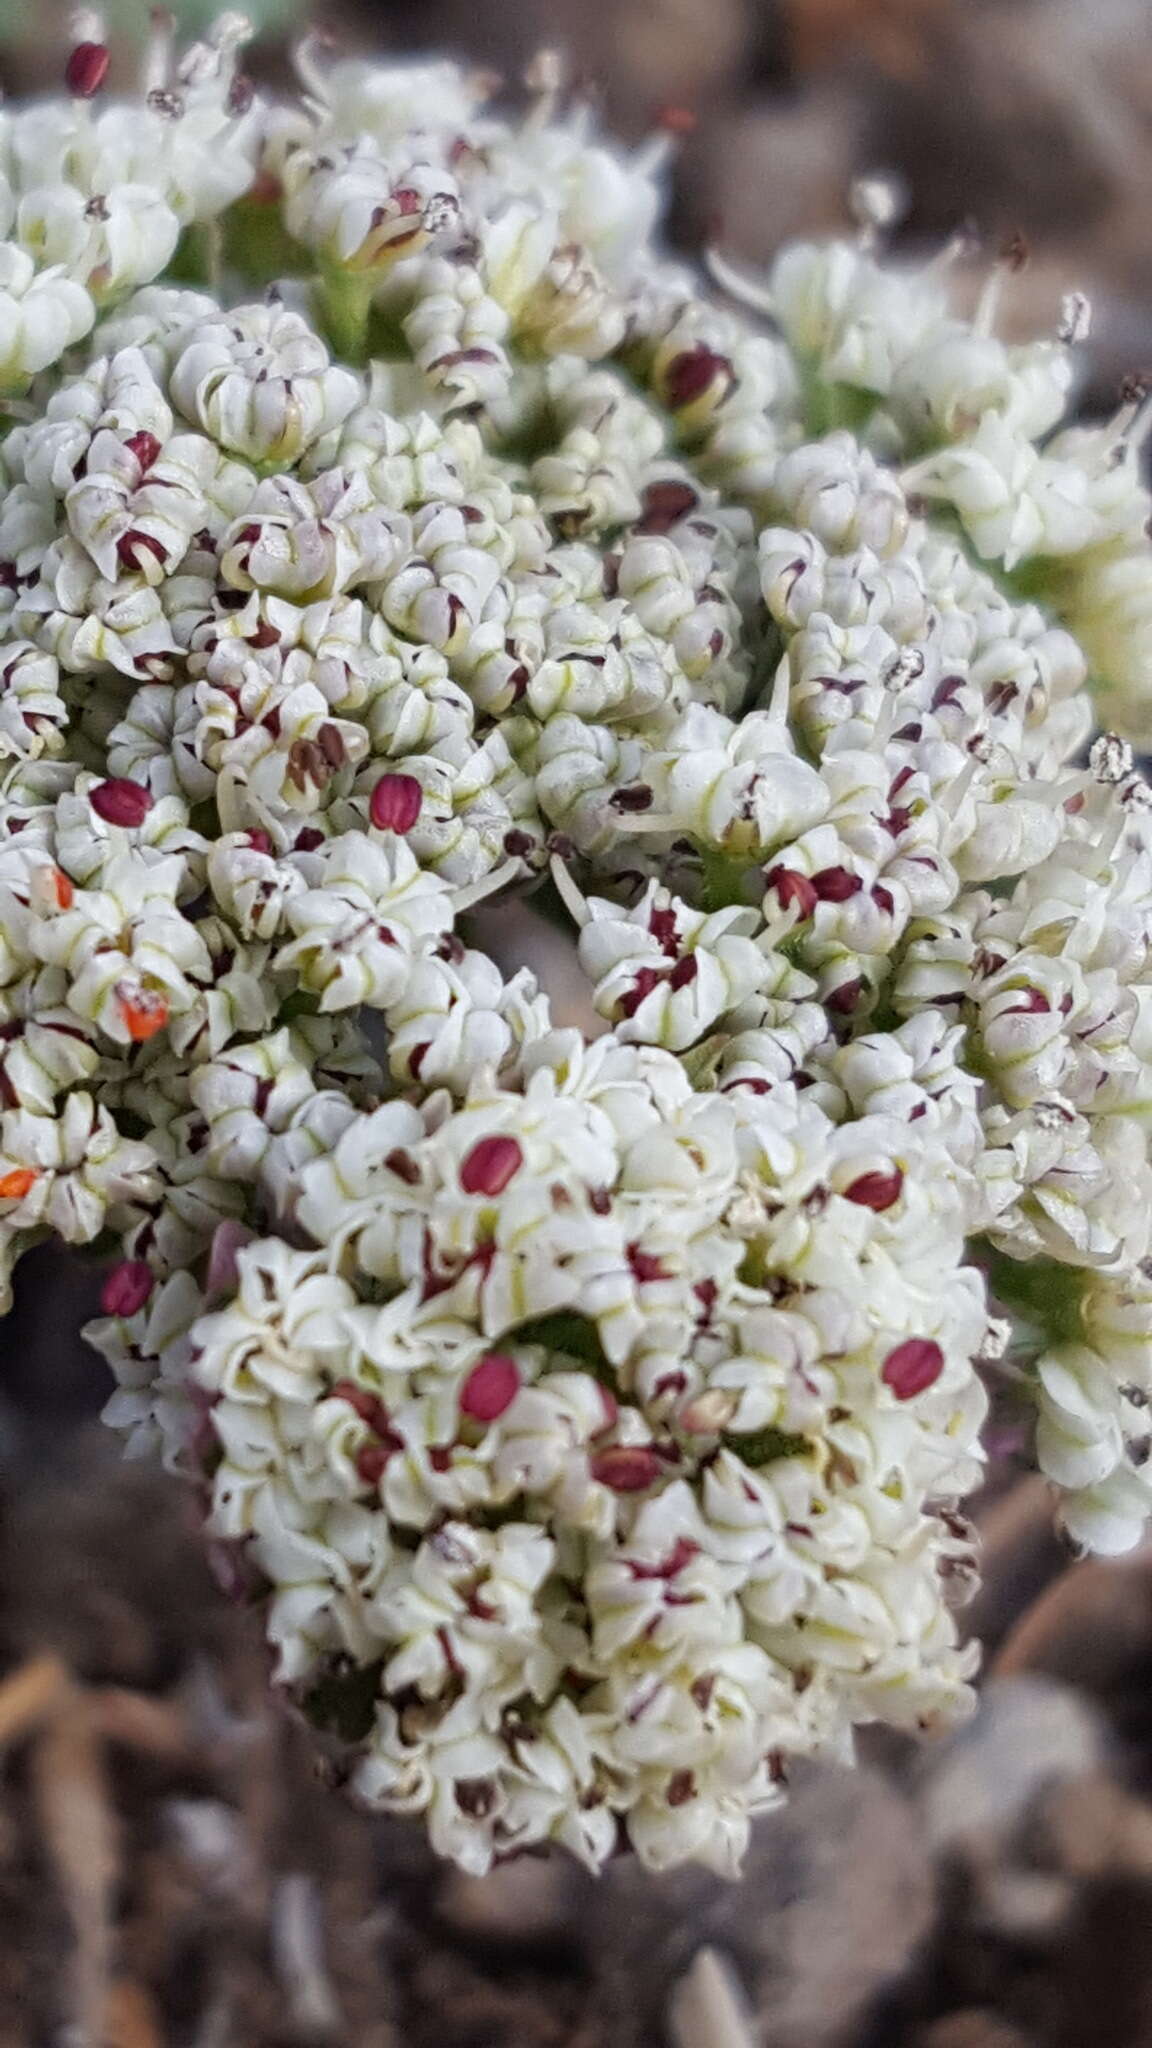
[387, 525]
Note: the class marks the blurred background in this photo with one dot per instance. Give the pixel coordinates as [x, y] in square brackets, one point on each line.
[175, 1865]
[1030, 116]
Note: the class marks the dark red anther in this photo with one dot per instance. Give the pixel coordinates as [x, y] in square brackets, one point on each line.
[877, 1190]
[371, 1461]
[367, 1405]
[647, 978]
[912, 1367]
[86, 70]
[665, 503]
[145, 447]
[646, 1266]
[690, 374]
[120, 802]
[490, 1388]
[402, 1164]
[127, 1288]
[842, 1001]
[490, 1165]
[330, 741]
[241, 94]
[792, 888]
[682, 1552]
[129, 546]
[396, 803]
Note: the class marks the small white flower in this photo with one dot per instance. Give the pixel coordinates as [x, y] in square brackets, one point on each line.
[260, 383]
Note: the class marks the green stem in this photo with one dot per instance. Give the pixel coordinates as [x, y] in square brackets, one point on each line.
[346, 309]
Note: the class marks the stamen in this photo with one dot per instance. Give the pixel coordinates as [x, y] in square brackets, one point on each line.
[997, 1337]
[157, 51]
[488, 885]
[306, 58]
[745, 290]
[545, 79]
[1110, 758]
[951, 798]
[1012, 258]
[876, 203]
[960, 247]
[574, 902]
[1075, 318]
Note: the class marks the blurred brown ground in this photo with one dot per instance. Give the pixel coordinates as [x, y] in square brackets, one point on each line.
[179, 1866]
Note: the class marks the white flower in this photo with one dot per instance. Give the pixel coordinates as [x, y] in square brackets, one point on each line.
[41, 314]
[664, 973]
[260, 383]
[65, 1172]
[357, 931]
[127, 951]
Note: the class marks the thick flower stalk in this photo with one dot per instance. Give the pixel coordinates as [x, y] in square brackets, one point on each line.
[388, 526]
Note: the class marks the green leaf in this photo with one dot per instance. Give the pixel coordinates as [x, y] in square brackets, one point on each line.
[764, 1446]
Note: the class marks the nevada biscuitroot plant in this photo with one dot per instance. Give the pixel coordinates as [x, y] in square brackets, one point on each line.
[389, 526]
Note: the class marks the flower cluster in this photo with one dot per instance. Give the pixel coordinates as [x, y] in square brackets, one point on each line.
[94, 196]
[590, 1411]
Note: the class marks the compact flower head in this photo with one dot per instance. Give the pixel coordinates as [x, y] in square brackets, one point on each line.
[593, 1408]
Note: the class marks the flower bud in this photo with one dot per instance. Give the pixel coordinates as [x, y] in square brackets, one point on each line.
[127, 1288]
[708, 1413]
[371, 1460]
